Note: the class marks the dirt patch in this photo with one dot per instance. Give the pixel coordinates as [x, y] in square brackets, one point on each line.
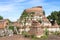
[14, 37]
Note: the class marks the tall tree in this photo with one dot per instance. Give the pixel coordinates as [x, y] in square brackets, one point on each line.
[58, 20]
[55, 15]
[1, 17]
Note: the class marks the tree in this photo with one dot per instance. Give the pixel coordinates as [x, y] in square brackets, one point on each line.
[1, 17]
[55, 15]
[44, 12]
[58, 20]
[49, 17]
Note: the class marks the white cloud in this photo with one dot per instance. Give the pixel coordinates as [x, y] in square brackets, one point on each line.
[11, 18]
[6, 8]
[19, 0]
[9, 8]
[35, 1]
[15, 6]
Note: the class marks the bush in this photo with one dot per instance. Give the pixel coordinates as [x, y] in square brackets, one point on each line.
[46, 32]
[11, 27]
[56, 33]
[32, 36]
[25, 34]
[44, 37]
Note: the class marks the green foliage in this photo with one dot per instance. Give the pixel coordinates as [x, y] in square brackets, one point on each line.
[1, 17]
[56, 33]
[41, 38]
[55, 16]
[25, 34]
[11, 27]
[49, 17]
[33, 36]
[24, 14]
[44, 37]
[46, 32]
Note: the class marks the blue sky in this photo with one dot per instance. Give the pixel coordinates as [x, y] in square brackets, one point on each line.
[12, 9]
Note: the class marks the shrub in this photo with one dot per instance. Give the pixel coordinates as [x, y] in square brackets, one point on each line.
[56, 33]
[25, 34]
[33, 36]
[11, 27]
[46, 32]
[44, 37]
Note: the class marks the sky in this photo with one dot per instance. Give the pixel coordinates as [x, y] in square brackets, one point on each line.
[12, 9]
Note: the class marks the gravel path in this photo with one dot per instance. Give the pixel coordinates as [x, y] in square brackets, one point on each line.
[20, 37]
[53, 37]
[14, 37]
